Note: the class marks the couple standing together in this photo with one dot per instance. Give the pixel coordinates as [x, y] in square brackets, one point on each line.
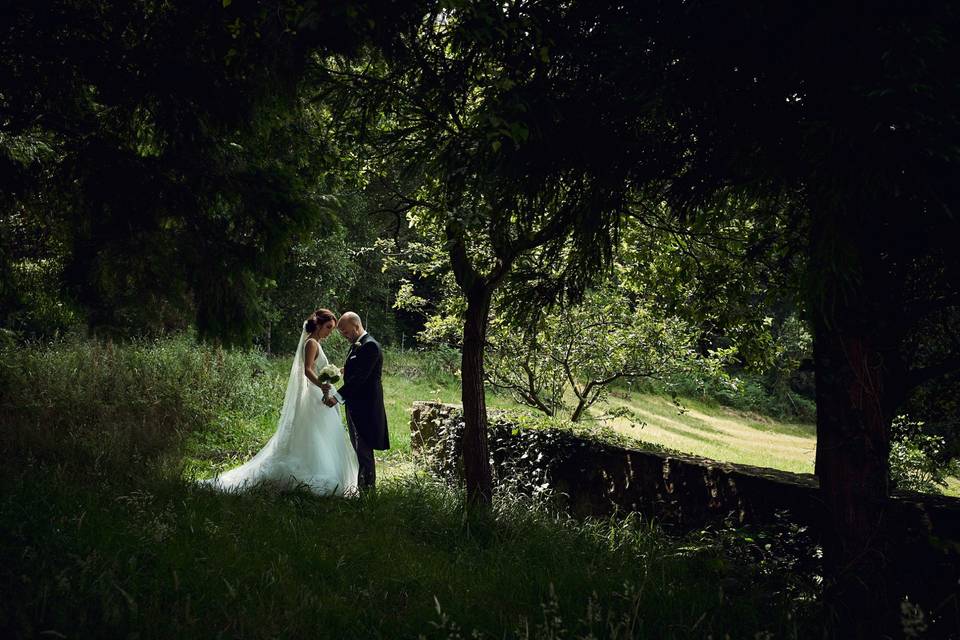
[309, 447]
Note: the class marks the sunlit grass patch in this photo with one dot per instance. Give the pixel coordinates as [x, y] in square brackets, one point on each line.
[718, 433]
[953, 487]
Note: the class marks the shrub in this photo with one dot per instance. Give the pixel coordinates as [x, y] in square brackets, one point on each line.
[916, 458]
[438, 365]
[742, 391]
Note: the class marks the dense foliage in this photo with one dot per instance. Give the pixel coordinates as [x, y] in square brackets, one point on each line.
[157, 158]
[918, 461]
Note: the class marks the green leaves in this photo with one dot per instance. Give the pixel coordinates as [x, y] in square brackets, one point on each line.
[570, 358]
[179, 161]
[919, 460]
[406, 299]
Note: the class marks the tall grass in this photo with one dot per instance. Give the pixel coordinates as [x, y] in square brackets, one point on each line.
[152, 397]
[101, 535]
[164, 559]
[94, 401]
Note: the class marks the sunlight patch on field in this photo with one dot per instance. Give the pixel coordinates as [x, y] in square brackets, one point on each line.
[724, 435]
[953, 487]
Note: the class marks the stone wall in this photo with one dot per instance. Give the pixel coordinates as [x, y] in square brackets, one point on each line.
[595, 478]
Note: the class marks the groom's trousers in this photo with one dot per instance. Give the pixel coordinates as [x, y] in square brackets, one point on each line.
[367, 476]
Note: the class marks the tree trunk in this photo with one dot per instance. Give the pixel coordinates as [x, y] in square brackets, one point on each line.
[853, 446]
[581, 407]
[476, 456]
[858, 386]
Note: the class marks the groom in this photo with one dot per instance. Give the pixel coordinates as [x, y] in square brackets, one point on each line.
[362, 393]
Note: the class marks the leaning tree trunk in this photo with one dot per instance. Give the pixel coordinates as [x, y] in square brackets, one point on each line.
[858, 387]
[476, 456]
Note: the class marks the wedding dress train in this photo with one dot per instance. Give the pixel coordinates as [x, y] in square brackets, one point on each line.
[309, 448]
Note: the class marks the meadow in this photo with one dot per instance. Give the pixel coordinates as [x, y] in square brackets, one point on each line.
[717, 432]
[104, 533]
[689, 425]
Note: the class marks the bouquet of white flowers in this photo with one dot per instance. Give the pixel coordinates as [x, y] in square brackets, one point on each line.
[329, 374]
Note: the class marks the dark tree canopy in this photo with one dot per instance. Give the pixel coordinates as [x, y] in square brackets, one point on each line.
[159, 152]
[830, 127]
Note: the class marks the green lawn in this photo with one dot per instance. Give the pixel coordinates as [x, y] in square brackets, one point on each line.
[150, 557]
[408, 377]
[717, 432]
[104, 534]
[953, 487]
[702, 429]
[696, 427]
[720, 433]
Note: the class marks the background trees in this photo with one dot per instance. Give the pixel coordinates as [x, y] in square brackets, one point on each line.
[822, 132]
[159, 159]
[581, 350]
[444, 109]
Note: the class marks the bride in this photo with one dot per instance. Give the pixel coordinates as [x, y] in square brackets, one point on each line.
[309, 447]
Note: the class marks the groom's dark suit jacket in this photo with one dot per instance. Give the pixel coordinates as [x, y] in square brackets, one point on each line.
[362, 391]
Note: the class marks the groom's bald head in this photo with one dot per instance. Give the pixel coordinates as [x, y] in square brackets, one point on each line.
[350, 319]
[350, 326]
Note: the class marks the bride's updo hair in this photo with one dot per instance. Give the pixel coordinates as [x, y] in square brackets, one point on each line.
[319, 318]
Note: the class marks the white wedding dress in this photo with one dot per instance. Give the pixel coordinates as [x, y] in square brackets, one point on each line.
[309, 448]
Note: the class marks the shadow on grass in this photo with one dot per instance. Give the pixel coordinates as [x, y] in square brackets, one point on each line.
[152, 555]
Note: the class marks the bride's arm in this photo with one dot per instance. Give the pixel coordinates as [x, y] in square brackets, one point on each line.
[309, 361]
